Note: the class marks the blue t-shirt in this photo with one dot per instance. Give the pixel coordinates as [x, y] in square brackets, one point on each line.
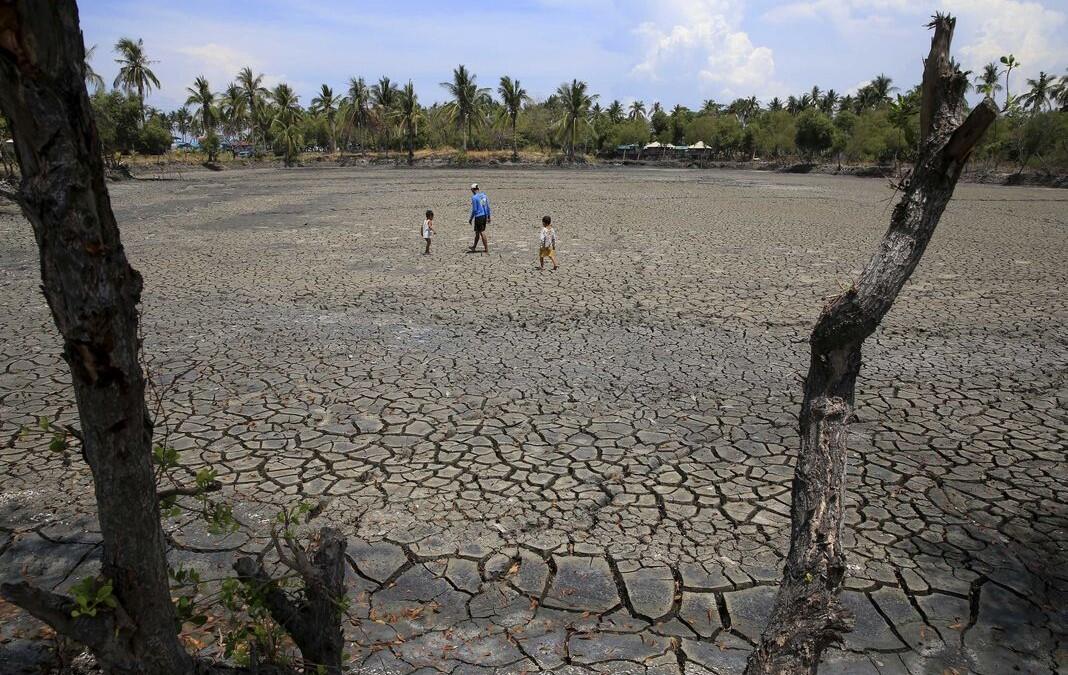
[479, 205]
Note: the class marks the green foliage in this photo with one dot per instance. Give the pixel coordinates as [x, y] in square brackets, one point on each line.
[722, 133]
[249, 623]
[154, 139]
[661, 124]
[627, 132]
[876, 124]
[774, 133]
[211, 146]
[91, 595]
[815, 133]
[165, 457]
[1041, 140]
[874, 138]
[186, 584]
[58, 443]
[118, 121]
[59, 437]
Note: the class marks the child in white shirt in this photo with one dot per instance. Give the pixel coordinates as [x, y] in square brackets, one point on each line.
[428, 230]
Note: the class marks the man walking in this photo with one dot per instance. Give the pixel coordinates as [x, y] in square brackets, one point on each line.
[480, 216]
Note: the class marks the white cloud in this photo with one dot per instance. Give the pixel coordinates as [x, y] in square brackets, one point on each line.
[846, 15]
[702, 41]
[221, 63]
[986, 29]
[1032, 33]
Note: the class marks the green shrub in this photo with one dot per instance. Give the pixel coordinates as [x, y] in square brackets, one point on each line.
[815, 133]
[211, 146]
[154, 139]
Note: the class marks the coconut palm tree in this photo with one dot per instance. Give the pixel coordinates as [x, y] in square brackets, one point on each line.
[655, 109]
[408, 112]
[180, 121]
[745, 108]
[384, 95]
[134, 73]
[252, 86]
[1061, 93]
[575, 102]
[356, 114]
[637, 110]
[775, 104]
[875, 93]
[1010, 64]
[287, 132]
[710, 107]
[261, 116]
[513, 96]
[233, 109]
[286, 122]
[286, 101]
[615, 112]
[989, 83]
[326, 104]
[829, 102]
[200, 96]
[881, 87]
[468, 100]
[1041, 93]
[92, 78]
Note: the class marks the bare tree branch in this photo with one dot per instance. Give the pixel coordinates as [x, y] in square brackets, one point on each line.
[189, 490]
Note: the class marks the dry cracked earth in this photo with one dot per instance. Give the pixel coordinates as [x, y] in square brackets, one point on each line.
[585, 470]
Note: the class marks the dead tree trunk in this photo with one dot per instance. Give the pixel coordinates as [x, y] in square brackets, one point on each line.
[807, 615]
[93, 293]
[314, 623]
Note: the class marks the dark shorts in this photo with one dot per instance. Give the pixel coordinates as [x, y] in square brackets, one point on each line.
[480, 223]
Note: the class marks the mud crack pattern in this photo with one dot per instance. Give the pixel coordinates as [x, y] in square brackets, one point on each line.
[585, 470]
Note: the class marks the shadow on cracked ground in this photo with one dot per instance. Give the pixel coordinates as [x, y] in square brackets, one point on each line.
[585, 470]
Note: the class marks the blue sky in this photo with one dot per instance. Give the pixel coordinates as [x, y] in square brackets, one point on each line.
[672, 51]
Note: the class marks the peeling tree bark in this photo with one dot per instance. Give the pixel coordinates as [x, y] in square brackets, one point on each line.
[93, 294]
[807, 615]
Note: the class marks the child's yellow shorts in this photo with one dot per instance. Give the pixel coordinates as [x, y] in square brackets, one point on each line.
[545, 252]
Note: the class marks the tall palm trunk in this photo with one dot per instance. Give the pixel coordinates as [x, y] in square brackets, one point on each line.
[515, 142]
[411, 145]
[141, 101]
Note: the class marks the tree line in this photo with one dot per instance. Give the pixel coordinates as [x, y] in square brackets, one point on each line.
[877, 124]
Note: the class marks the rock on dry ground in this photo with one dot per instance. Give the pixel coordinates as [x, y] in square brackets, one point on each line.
[586, 470]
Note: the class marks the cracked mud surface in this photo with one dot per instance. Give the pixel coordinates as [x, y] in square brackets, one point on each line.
[585, 470]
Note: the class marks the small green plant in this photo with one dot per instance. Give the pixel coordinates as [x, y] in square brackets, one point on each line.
[249, 626]
[60, 436]
[91, 595]
[186, 584]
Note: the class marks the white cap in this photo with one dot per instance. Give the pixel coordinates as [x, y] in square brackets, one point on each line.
[474, 186]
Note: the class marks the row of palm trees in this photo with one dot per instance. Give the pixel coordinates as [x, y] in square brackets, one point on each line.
[246, 108]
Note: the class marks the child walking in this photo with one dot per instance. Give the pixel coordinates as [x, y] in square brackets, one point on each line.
[428, 230]
[547, 243]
